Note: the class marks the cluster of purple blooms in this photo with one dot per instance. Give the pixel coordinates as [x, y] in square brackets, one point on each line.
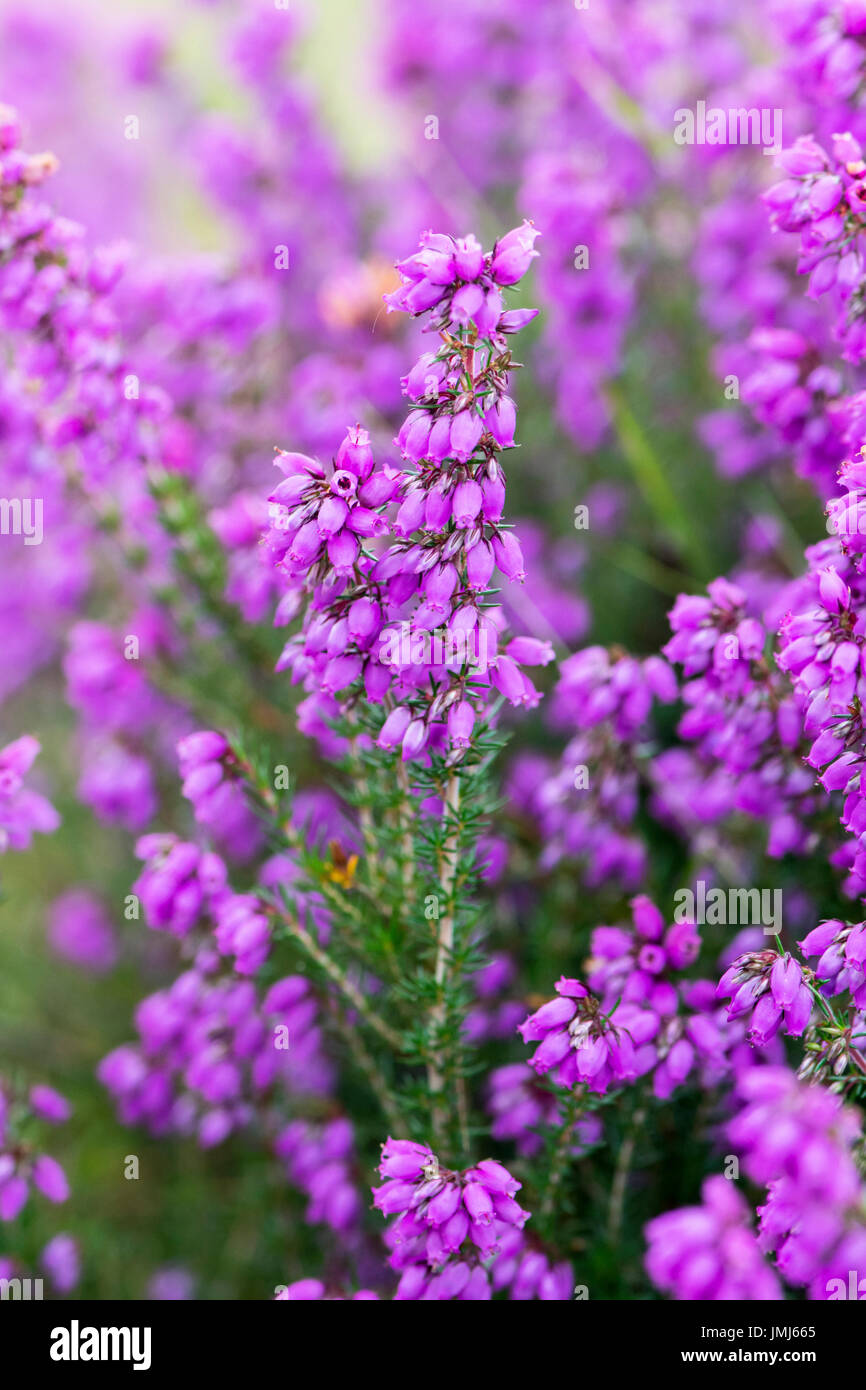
[81, 931]
[319, 1162]
[212, 1052]
[20, 1166]
[184, 888]
[411, 619]
[770, 990]
[841, 951]
[710, 1252]
[23, 811]
[314, 1291]
[797, 1141]
[640, 1015]
[823, 200]
[578, 1041]
[586, 806]
[740, 716]
[448, 1223]
[821, 648]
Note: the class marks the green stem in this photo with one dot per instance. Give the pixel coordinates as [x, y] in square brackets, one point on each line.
[338, 977]
[652, 479]
[366, 1064]
[620, 1177]
[444, 948]
[561, 1154]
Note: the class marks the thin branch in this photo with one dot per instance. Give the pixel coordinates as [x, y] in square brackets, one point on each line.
[620, 1177]
[340, 979]
[445, 937]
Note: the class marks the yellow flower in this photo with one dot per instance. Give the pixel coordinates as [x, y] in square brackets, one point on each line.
[342, 868]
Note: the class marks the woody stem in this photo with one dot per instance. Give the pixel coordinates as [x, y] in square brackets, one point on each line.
[445, 942]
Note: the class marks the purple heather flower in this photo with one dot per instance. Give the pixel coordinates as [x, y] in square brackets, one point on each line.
[171, 1285]
[22, 811]
[13, 1195]
[312, 1290]
[60, 1260]
[841, 951]
[446, 1221]
[318, 1161]
[514, 254]
[797, 1140]
[49, 1104]
[80, 930]
[578, 1041]
[709, 1252]
[770, 989]
[50, 1178]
